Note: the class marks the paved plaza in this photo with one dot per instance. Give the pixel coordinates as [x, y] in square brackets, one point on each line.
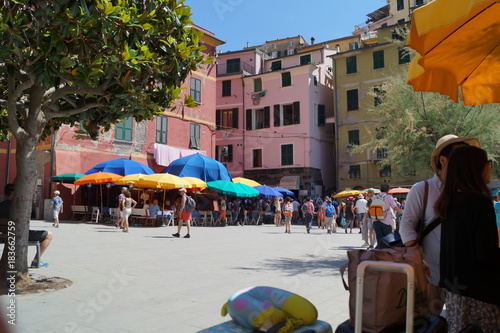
[148, 281]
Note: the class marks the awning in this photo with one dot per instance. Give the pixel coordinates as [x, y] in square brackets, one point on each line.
[290, 182]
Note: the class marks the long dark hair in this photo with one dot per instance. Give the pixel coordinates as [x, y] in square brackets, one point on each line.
[464, 173]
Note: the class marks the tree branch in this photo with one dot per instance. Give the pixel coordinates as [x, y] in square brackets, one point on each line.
[16, 129]
[69, 113]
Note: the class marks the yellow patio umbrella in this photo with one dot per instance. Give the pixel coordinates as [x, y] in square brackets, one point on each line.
[130, 179]
[164, 181]
[458, 46]
[195, 182]
[346, 194]
[245, 181]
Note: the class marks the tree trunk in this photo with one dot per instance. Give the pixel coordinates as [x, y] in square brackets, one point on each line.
[20, 213]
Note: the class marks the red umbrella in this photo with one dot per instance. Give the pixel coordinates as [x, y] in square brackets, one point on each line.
[399, 190]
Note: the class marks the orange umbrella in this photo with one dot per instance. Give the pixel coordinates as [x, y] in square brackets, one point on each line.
[458, 46]
[98, 178]
[399, 190]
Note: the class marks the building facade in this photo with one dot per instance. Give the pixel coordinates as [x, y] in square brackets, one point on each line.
[359, 76]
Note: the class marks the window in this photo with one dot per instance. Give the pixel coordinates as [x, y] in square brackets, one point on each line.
[419, 2]
[224, 154]
[257, 158]
[287, 114]
[321, 115]
[287, 154]
[194, 140]
[305, 59]
[385, 171]
[259, 118]
[290, 52]
[355, 171]
[353, 46]
[315, 80]
[123, 130]
[226, 119]
[257, 85]
[226, 88]
[286, 79]
[195, 90]
[401, 21]
[161, 129]
[353, 137]
[233, 65]
[378, 59]
[379, 94]
[400, 4]
[352, 99]
[403, 56]
[351, 65]
[276, 65]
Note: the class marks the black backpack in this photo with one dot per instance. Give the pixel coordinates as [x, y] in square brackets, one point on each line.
[190, 204]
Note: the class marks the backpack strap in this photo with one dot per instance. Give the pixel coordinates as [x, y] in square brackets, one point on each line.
[421, 229]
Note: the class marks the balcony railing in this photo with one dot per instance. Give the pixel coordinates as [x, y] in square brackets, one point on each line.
[369, 35]
[243, 68]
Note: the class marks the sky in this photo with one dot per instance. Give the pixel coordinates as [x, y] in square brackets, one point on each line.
[239, 22]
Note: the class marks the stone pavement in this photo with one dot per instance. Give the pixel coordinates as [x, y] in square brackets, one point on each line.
[149, 281]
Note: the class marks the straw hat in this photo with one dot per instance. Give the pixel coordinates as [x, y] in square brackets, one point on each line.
[361, 196]
[182, 189]
[446, 141]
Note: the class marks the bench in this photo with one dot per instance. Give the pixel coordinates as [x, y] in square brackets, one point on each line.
[138, 215]
[79, 210]
[5, 233]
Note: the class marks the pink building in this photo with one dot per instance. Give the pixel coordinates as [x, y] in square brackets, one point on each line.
[273, 103]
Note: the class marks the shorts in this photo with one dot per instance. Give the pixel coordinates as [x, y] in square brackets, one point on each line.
[222, 214]
[186, 215]
[37, 235]
[55, 214]
[288, 218]
[370, 223]
[122, 214]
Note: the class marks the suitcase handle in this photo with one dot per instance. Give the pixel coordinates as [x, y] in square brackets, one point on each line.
[384, 266]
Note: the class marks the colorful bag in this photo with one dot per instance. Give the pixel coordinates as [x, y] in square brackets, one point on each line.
[377, 209]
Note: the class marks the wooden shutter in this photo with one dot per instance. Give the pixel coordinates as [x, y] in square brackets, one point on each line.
[235, 118]
[296, 112]
[230, 153]
[217, 118]
[249, 120]
[277, 115]
[267, 117]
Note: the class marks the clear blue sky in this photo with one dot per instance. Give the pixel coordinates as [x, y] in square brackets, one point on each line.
[239, 22]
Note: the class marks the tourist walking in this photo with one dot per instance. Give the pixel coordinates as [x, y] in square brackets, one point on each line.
[288, 212]
[308, 211]
[56, 204]
[360, 209]
[184, 215]
[330, 217]
[349, 214]
[127, 204]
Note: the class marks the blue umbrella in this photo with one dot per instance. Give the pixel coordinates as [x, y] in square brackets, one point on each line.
[199, 166]
[284, 191]
[121, 166]
[267, 192]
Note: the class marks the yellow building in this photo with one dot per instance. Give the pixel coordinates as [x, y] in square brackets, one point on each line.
[359, 74]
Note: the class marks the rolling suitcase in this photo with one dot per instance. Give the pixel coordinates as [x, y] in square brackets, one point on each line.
[433, 324]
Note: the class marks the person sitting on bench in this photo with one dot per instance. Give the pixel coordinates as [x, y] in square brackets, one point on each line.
[42, 236]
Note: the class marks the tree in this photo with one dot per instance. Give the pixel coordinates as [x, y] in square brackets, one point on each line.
[89, 61]
[414, 121]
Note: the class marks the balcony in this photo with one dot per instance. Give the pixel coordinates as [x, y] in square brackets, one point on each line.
[377, 154]
[370, 35]
[243, 68]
